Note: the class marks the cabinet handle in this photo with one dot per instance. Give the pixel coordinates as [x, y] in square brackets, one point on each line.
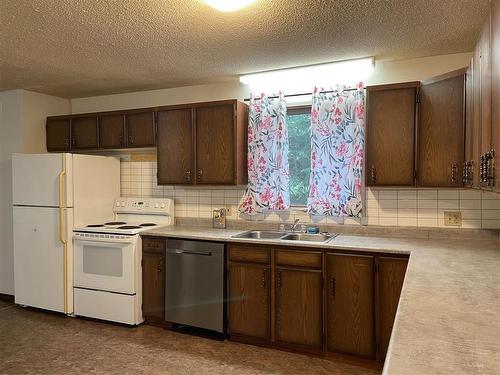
[160, 266]
[278, 279]
[130, 140]
[66, 142]
[188, 176]
[454, 173]
[120, 139]
[199, 176]
[264, 278]
[373, 174]
[332, 286]
[73, 141]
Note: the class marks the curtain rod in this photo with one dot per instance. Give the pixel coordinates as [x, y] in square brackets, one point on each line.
[304, 94]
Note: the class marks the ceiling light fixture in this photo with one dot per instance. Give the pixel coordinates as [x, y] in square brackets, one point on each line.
[228, 5]
[305, 78]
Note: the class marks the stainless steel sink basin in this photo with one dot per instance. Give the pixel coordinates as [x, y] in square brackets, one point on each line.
[308, 237]
[261, 234]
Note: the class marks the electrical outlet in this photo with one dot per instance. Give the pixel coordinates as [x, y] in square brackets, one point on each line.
[229, 212]
[453, 218]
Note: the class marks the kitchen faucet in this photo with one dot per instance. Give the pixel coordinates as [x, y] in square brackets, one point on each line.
[294, 225]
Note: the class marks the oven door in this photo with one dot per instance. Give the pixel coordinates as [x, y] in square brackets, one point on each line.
[105, 265]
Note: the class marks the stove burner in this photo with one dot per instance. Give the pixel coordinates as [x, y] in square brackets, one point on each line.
[129, 227]
[115, 223]
[94, 225]
[147, 225]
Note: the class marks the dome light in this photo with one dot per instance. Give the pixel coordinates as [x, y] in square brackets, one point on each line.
[228, 5]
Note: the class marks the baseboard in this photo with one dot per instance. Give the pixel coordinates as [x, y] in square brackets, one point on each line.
[6, 297]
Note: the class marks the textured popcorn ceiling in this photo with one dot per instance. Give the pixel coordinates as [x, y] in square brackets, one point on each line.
[76, 48]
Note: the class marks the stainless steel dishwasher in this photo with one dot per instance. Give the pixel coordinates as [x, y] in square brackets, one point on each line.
[195, 290]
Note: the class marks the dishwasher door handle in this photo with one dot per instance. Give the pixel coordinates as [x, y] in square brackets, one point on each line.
[208, 254]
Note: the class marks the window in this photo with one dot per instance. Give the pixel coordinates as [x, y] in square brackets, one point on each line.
[299, 153]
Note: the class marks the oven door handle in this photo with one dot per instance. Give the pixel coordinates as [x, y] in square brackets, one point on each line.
[207, 254]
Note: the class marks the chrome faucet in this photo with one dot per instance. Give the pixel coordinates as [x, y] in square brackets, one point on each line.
[294, 225]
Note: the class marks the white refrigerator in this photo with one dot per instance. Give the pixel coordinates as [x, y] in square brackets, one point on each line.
[52, 193]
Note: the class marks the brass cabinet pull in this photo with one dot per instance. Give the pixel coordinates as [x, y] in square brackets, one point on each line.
[332, 286]
[120, 139]
[130, 139]
[278, 279]
[454, 173]
[200, 174]
[188, 176]
[264, 278]
[73, 141]
[373, 174]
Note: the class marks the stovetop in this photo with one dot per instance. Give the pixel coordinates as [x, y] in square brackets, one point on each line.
[117, 227]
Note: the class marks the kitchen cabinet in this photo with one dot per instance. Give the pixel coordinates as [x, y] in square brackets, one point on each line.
[389, 282]
[350, 304]
[153, 280]
[299, 307]
[390, 134]
[204, 143]
[112, 131]
[140, 129]
[467, 167]
[84, 133]
[58, 132]
[441, 125]
[175, 146]
[250, 300]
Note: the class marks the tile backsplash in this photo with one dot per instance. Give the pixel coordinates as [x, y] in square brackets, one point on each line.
[387, 207]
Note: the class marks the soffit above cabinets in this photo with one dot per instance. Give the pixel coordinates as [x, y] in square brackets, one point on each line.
[78, 49]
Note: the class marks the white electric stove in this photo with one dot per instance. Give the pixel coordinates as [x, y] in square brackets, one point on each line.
[107, 257]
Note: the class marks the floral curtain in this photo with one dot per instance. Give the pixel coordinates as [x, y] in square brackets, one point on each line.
[268, 171]
[337, 143]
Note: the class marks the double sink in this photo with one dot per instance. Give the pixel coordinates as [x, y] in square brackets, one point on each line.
[285, 236]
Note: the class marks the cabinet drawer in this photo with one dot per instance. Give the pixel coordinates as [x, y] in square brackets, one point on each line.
[309, 259]
[153, 244]
[249, 254]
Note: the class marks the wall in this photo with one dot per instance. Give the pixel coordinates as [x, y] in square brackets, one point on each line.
[22, 129]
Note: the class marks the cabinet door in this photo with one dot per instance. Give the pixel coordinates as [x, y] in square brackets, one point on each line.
[390, 135]
[476, 116]
[299, 307]
[153, 287]
[495, 86]
[469, 130]
[249, 300]
[349, 305]
[441, 133]
[112, 131]
[175, 147]
[390, 277]
[58, 134]
[215, 159]
[84, 132]
[485, 72]
[140, 129]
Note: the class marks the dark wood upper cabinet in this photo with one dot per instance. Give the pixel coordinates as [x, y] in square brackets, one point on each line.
[350, 305]
[58, 134]
[485, 78]
[140, 129]
[249, 303]
[299, 307]
[390, 134]
[441, 131]
[112, 131]
[84, 133]
[389, 282]
[175, 147]
[215, 144]
[153, 280]
[467, 168]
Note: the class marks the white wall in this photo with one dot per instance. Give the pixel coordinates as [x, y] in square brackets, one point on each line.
[22, 129]
[385, 71]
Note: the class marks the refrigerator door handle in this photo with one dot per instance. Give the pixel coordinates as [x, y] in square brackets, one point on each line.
[62, 236]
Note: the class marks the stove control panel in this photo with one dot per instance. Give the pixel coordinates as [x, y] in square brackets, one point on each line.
[153, 206]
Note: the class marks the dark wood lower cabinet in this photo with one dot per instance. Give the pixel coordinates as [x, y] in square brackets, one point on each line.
[153, 280]
[350, 305]
[299, 307]
[249, 300]
[389, 282]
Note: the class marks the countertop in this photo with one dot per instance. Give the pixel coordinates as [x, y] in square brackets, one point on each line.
[448, 318]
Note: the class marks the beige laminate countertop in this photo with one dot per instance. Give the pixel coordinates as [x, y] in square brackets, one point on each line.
[448, 318]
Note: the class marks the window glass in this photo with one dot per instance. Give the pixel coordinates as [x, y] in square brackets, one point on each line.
[299, 153]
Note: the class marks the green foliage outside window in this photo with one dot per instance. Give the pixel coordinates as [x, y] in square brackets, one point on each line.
[299, 155]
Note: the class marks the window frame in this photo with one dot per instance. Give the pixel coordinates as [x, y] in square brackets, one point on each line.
[297, 109]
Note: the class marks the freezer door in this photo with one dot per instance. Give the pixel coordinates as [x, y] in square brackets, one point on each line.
[36, 179]
[39, 268]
